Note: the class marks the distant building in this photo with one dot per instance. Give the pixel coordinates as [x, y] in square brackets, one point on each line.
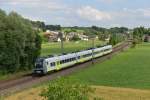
[52, 36]
[146, 38]
[80, 35]
[71, 35]
[83, 37]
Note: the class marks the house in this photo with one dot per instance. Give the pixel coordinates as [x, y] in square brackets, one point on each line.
[52, 36]
[146, 38]
[83, 37]
[80, 35]
[70, 36]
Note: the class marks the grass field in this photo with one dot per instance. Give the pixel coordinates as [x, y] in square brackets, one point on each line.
[54, 48]
[129, 69]
[123, 77]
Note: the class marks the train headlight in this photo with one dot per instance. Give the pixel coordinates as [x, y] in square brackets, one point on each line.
[38, 72]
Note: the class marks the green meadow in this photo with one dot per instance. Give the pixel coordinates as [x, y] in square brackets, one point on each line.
[55, 47]
[130, 68]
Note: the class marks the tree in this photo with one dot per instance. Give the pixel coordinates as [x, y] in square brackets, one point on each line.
[116, 38]
[76, 38]
[118, 30]
[20, 44]
[138, 34]
[39, 25]
[53, 27]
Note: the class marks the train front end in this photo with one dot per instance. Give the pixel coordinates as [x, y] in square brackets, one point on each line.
[39, 66]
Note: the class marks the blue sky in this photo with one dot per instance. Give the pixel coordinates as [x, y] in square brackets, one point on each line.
[104, 13]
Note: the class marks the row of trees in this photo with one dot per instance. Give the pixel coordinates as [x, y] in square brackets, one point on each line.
[139, 32]
[20, 43]
[41, 25]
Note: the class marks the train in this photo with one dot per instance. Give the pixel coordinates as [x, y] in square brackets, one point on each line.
[43, 65]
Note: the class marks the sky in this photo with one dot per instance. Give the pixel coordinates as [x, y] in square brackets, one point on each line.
[103, 13]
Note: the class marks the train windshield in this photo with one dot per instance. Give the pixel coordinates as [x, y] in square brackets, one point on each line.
[39, 63]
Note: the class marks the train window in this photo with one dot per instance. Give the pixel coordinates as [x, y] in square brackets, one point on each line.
[74, 58]
[52, 64]
[61, 62]
[67, 60]
[86, 55]
[78, 57]
[64, 61]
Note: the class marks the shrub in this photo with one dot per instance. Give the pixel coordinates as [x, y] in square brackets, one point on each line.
[64, 89]
[76, 38]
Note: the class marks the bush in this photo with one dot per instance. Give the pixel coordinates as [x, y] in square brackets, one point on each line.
[75, 38]
[63, 89]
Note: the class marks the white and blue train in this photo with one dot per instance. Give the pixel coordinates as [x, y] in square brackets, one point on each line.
[45, 65]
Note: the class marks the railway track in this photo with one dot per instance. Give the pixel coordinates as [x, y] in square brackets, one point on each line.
[10, 86]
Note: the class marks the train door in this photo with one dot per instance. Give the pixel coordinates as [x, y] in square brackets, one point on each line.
[58, 66]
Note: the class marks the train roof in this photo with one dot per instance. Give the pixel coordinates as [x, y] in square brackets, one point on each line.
[61, 57]
[71, 55]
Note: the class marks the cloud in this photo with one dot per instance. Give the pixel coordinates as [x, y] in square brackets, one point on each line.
[145, 12]
[110, 1]
[93, 14]
[34, 18]
[140, 11]
[70, 12]
[48, 4]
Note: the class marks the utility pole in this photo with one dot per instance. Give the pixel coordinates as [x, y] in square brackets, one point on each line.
[62, 44]
[93, 46]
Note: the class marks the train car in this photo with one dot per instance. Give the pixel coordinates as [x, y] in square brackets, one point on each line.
[84, 56]
[107, 49]
[67, 60]
[45, 65]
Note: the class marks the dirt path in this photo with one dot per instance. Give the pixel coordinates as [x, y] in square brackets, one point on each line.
[103, 92]
[115, 93]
